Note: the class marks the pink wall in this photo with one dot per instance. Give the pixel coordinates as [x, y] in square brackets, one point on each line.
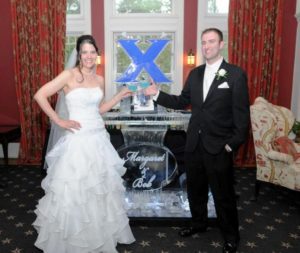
[287, 53]
[9, 114]
[8, 102]
[190, 32]
[98, 29]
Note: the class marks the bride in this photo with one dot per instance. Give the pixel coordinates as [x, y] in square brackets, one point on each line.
[82, 210]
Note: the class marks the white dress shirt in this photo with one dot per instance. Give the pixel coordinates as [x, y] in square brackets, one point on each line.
[209, 75]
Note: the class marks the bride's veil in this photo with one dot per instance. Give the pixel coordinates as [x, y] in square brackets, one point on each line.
[57, 132]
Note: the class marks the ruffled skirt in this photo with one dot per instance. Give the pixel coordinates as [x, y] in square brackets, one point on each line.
[83, 210]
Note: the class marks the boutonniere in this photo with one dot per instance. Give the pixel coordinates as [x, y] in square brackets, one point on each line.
[222, 73]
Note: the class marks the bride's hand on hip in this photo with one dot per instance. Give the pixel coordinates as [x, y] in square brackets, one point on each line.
[69, 124]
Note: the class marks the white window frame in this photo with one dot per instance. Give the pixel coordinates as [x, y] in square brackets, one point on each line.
[295, 102]
[77, 24]
[174, 11]
[206, 20]
[143, 23]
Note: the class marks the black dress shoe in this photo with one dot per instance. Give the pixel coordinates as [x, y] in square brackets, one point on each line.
[229, 247]
[188, 231]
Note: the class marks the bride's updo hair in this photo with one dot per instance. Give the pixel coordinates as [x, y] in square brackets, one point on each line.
[82, 40]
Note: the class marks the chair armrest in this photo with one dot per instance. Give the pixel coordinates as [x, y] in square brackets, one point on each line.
[297, 146]
[282, 157]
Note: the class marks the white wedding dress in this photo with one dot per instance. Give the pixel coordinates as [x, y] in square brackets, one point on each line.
[83, 207]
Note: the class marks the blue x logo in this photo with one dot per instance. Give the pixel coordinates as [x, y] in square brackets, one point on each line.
[142, 61]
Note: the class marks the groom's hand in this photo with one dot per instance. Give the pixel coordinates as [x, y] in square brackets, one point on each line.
[151, 90]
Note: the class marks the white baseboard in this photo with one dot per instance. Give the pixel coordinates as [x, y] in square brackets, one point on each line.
[13, 150]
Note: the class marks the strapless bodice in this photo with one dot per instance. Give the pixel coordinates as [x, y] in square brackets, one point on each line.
[83, 106]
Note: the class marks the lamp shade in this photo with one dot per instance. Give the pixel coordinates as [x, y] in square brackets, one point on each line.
[98, 60]
[191, 58]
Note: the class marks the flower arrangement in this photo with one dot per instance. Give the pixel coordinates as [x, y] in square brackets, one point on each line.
[222, 73]
[296, 130]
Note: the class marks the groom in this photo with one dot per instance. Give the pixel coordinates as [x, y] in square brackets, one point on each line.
[218, 94]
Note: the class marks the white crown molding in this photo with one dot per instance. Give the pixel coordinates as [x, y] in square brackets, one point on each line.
[295, 102]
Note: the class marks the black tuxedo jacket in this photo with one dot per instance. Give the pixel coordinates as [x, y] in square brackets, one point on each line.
[223, 117]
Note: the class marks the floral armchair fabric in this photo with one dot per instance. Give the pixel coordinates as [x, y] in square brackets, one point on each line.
[277, 156]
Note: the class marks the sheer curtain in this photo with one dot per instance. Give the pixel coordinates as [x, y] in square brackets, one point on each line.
[38, 44]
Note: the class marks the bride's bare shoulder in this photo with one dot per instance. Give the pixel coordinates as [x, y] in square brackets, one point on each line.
[73, 71]
[74, 75]
[68, 73]
[71, 76]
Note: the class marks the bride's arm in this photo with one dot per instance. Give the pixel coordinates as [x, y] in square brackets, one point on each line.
[49, 89]
[106, 106]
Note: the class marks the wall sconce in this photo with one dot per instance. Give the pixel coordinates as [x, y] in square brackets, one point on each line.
[98, 60]
[191, 58]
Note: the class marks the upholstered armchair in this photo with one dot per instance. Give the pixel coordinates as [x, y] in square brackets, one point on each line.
[277, 156]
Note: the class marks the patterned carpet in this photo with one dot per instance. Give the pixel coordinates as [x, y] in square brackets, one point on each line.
[271, 225]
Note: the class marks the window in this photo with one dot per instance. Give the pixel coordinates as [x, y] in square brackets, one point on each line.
[143, 6]
[78, 23]
[70, 44]
[164, 60]
[143, 20]
[217, 7]
[212, 13]
[73, 7]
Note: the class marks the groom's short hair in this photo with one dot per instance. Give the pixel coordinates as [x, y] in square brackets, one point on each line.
[213, 29]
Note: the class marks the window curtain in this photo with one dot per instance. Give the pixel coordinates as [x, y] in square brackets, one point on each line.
[38, 29]
[254, 42]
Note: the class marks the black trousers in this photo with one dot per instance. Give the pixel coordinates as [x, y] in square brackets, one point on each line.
[206, 171]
